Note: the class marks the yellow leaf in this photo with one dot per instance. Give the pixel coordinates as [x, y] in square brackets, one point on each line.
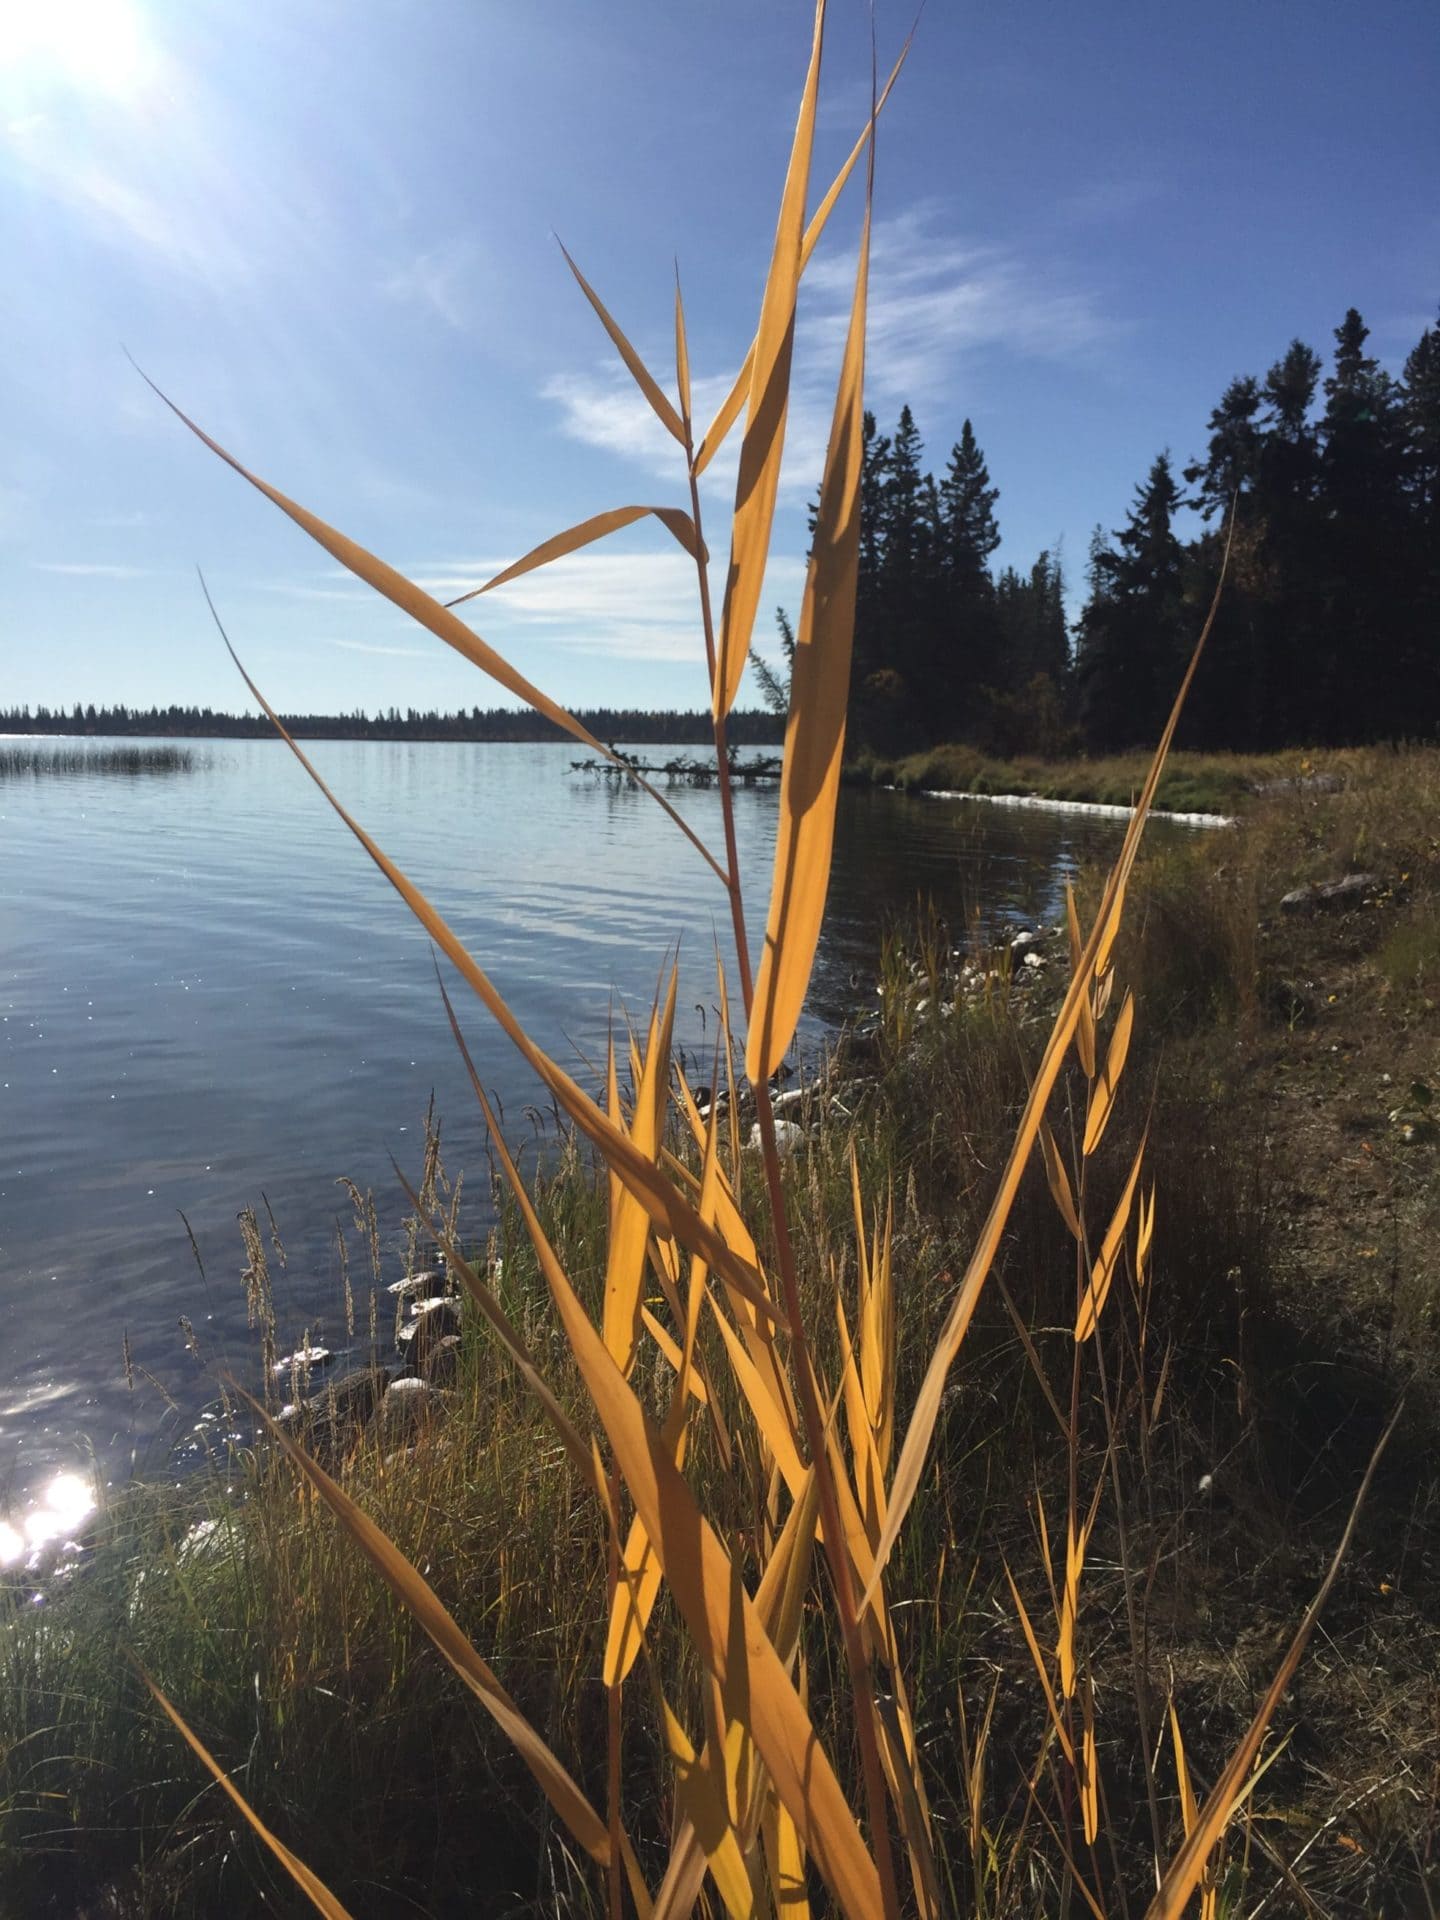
[728, 1634]
[1090, 1768]
[429, 613]
[1103, 1270]
[630, 1221]
[1058, 1180]
[1085, 1021]
[682, 359]
[702, 1796]
[643, 378]
[1146, 1235]
[1102, 1098]
[307, 1882]
[815, 729]
[768, 400]
[1040, 1668]
[595, 528]
[729, 411]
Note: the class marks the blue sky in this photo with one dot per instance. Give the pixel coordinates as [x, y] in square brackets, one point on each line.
[326, 227]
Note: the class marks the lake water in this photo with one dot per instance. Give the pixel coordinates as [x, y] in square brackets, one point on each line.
[208, 994]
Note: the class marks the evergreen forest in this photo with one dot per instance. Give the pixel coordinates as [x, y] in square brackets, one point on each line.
[1329, 627]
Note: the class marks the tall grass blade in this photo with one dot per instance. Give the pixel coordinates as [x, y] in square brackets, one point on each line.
[727, 1631]
[308, 1882]
[1058, 1180]
[415, 1592]
[1103, 1271]
[815, 728]
[701, 1793]
[682, 359]
[730, 406]
[926, 1412]
[629, 1221]
[429, 613]
[644, 379]
[1103, 1098]
[767, 402]
[673, 519]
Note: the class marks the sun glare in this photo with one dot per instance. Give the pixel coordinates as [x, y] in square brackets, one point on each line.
[95, 44]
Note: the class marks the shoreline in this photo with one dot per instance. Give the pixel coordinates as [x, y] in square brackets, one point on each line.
[1098, 809]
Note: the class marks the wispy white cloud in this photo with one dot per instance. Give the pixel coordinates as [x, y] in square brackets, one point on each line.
[633, 606]
[394, 653]
[440, 280]
[355, 595]
[92, 569]
[1108, 202]
[936, 301]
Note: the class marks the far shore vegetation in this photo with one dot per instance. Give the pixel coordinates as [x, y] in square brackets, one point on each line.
[17, 761]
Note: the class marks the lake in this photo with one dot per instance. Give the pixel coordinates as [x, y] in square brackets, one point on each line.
[208, 994]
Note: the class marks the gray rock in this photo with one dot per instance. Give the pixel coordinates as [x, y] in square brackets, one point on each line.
[433, 1321]
[1332, 896]
[441, 1363]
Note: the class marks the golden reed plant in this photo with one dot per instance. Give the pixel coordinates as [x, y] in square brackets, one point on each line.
[758, 1802]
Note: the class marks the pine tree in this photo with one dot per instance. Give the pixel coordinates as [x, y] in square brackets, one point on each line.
[966, 534]
[1130, 633]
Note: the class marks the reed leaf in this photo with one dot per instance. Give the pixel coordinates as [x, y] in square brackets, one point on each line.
[585, 534]
[309, 1883]
[663, 409]
[729, 409]
[1103, 1271]
[682, 360]
[701, 1794]
[629, 1219]
[767, 403]
[1103, 1097]
[1058, 1180]
[815, 728]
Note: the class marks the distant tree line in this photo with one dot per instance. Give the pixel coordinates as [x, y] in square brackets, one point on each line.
[670, 727]
[1329, 627]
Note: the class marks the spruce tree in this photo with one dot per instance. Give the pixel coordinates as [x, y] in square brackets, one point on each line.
[966, 534]
[1130, 633]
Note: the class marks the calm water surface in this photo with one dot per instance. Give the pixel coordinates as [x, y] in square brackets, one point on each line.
[209, 994]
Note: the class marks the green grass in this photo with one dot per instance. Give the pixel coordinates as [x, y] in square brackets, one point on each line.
[1191, 783]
